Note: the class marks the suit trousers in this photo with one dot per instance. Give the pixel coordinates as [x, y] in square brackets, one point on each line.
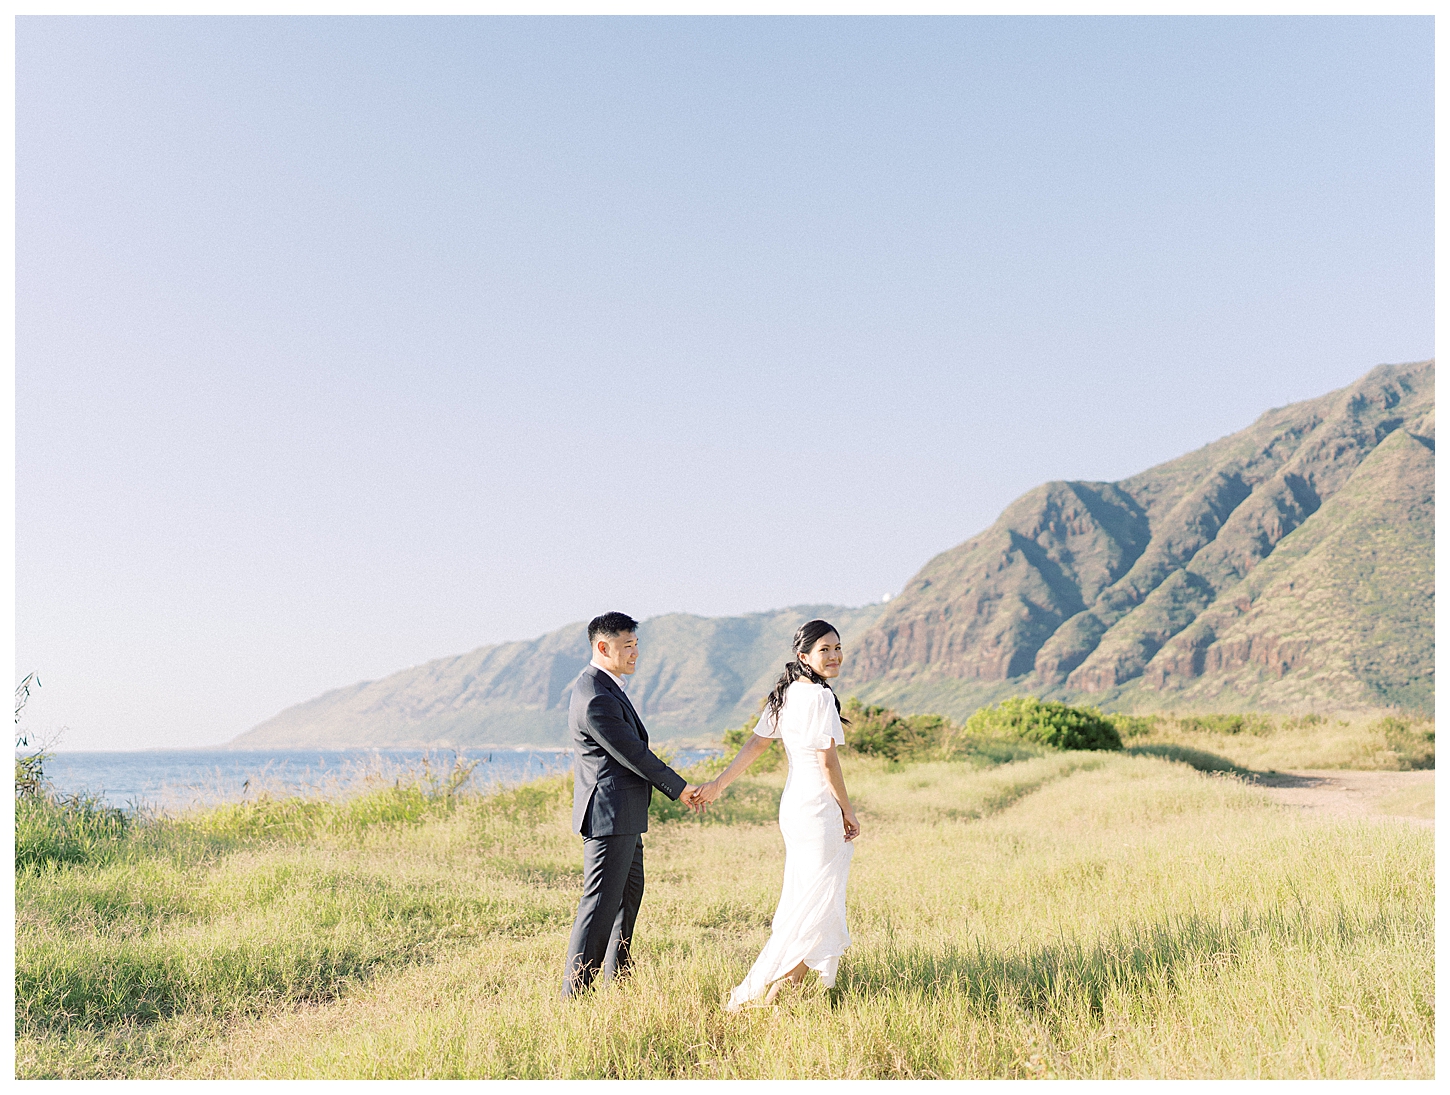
[604, 925]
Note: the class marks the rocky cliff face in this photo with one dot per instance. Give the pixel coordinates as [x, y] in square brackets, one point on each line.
[1116, 590]
[983, 610]
[1343, 607]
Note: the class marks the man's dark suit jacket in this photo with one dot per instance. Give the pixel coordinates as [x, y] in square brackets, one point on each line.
[613, 766]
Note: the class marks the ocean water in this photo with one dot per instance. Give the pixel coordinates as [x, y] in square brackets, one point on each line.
[175, 779]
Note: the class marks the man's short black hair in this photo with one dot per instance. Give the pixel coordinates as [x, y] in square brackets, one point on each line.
[610, 625]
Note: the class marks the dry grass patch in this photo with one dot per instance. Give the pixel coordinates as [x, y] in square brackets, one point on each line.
[1074, 915]
[1270, 743]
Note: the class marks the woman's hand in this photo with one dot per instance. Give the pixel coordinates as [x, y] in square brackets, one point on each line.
[830, 763]
[708, 792]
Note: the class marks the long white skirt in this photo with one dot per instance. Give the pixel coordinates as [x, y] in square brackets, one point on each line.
[810, 922]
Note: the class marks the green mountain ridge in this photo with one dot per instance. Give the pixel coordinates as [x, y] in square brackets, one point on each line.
[697, 676]
[1286, 567]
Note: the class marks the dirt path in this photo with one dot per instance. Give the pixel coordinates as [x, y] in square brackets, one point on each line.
[1400, 796]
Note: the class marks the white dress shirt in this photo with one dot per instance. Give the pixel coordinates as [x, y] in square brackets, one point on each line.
[617, 678]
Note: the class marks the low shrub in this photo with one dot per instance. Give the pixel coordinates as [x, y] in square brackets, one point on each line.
[1412, 742]
[1227, 724]
[1047, 723]
[877, 731]
[768, 761]
[1135, 726]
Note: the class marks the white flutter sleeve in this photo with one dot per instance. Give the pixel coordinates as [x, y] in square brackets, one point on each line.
[825, 722]
[766, 727]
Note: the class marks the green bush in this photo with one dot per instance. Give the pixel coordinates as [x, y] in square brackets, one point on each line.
[1047, 723]
[73, 829]
[1134, 726]
[1227, 724]
[768, 761]
[1413, 742]
[875, 731]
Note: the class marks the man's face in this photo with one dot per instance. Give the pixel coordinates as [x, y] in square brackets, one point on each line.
[617, 653]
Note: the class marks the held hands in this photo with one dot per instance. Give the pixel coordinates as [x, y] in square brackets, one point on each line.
[709, 792]
[690, 797]
[698, 798]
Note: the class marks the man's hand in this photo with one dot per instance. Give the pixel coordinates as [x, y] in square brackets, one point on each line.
[690, 796]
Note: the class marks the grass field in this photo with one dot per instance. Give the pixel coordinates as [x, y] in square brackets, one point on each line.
[1061, 915]
[1266, 742]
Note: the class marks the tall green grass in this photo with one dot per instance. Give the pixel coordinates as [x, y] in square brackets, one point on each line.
[1067, 914]
[51, 830]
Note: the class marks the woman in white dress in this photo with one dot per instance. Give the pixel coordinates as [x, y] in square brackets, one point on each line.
[816, 819]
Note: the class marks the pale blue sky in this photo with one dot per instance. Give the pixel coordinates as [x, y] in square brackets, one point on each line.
[344, 344]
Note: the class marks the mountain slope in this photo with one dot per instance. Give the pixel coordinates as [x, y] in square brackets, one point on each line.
[1340, 608]
[1288, 566]
[696, 677]
[1093, 589]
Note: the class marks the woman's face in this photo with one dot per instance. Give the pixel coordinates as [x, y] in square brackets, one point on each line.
[825, 656]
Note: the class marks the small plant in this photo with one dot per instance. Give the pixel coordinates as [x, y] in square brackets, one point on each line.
[1047, 723]
[29, 767]
[29, 772]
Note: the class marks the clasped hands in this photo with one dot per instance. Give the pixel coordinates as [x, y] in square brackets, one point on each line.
[699, 796]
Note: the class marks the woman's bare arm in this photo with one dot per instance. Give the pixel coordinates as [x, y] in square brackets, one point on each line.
[830, 762]
[752, 748]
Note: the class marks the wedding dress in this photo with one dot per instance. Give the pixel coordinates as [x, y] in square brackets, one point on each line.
[810, 921]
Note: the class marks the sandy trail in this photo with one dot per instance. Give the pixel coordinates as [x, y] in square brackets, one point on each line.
[1397, 796]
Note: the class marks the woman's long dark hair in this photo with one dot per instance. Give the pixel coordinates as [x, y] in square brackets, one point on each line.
[806, 636]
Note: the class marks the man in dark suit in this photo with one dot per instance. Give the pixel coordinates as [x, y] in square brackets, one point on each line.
[614, 772]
